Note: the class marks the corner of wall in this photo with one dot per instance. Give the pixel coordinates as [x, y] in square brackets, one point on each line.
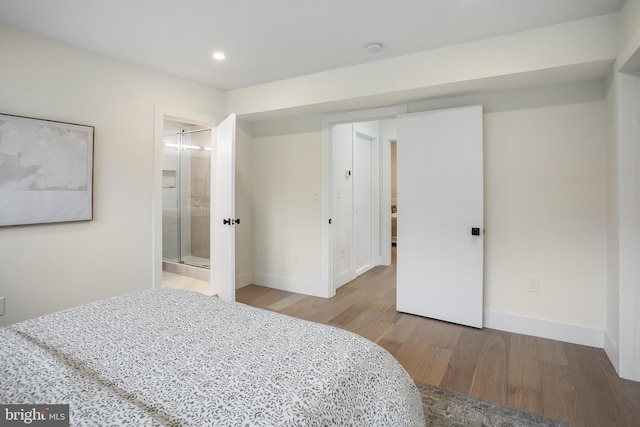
[611, 349]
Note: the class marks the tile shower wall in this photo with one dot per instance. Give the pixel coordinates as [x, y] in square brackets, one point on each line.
[199, 198]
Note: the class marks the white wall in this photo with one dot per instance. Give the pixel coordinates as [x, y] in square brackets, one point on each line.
[44, 268]
[546, 216]
[286, 205]
[546, 213]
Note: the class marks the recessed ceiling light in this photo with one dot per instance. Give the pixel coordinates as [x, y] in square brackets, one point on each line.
[219, 56]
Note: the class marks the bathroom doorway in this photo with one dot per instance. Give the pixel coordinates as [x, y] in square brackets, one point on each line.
[186, 190]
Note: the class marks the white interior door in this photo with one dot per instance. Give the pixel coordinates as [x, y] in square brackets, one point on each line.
[223, 219]
[440, 202]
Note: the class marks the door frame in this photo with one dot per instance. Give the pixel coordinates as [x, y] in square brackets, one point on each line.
[326, 235]
[162, 112]
[625, 352]
[374, 190]
[385, 203]
[628, 232]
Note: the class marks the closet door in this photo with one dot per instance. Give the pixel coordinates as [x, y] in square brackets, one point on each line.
[440, 215]
[223, 213]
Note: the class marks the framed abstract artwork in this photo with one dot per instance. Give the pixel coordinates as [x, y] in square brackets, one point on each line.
[46, 171]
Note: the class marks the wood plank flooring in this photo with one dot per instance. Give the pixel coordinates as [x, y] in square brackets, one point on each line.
[568, 382]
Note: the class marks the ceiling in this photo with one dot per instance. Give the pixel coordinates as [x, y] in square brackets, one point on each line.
[265, 41]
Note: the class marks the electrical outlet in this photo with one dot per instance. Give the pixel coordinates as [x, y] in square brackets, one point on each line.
[534, 284]
[1, 306]
[296, 257]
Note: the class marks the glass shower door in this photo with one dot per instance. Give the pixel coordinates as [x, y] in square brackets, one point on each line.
[186, 195]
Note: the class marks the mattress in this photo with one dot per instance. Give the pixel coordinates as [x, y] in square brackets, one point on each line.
[175, 357]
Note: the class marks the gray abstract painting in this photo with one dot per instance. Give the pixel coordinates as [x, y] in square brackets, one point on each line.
[46, 171]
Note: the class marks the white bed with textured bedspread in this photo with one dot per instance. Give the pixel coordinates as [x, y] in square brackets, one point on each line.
[173, 357]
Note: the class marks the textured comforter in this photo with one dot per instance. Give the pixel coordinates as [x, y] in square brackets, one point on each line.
[173, 357]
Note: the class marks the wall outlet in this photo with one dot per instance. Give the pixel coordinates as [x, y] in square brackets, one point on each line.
[534, 284]
[296, 257]
[1, 306]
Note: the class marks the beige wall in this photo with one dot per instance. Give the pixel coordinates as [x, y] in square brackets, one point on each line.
[44, 268]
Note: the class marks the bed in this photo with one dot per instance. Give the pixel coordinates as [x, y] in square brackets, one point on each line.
[175, 357]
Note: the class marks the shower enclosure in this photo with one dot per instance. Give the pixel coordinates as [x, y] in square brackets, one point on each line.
[186, 184]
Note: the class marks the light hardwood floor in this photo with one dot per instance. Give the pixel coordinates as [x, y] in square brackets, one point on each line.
[173, 280]
[571, 383]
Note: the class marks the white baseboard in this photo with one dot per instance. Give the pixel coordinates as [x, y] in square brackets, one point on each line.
[544, 329]
[290, 284]
[243, 280]
[344, 278]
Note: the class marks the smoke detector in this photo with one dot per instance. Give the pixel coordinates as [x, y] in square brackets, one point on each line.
[373, 47]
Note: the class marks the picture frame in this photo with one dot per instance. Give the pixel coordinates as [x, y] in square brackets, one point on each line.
[46, 171]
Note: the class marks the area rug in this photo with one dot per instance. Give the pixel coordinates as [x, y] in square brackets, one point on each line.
[445, 408]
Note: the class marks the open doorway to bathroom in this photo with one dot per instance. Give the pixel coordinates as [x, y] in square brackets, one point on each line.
[186, 189]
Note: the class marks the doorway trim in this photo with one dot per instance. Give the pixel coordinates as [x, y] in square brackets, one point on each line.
[373, 188]
[628, 226]
[162, 112]
[326, 235]
[385, 220]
